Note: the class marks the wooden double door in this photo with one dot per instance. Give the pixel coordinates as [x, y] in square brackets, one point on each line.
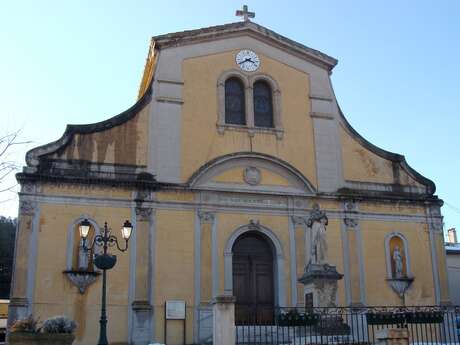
[253, 284]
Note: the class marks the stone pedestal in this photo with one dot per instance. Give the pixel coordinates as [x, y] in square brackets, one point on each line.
[223, 320]
[142, 322]
[321, 282]
[320, 288]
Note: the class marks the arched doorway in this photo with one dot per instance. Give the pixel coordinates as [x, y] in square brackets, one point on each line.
[253, 284]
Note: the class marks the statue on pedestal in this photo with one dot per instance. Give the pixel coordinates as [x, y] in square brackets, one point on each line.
[317, 223]
[83, 257]
[398, 262]
[320, 278]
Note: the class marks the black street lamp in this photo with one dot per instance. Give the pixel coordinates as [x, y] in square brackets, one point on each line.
[104, 262]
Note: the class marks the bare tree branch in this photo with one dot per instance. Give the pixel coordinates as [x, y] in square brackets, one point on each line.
[8, 164]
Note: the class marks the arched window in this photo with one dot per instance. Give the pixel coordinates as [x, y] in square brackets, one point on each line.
[263, 105]
[234, 102]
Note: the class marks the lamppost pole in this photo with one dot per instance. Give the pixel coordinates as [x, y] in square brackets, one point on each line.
[103, 321]
[105, 262]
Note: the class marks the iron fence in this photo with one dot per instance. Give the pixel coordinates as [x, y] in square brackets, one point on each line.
[426, 325]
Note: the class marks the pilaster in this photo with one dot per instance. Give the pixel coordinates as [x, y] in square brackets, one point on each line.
[435, 238]
[206, 271]
[300, 252]
[24, 266]
[355, 280]
[141, 305]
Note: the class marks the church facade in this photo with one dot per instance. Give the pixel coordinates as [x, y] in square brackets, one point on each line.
[236, 138]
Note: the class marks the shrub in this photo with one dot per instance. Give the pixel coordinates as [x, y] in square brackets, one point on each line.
[59, 324]
[29, 324]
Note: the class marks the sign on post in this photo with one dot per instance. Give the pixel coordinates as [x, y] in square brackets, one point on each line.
[175, 310]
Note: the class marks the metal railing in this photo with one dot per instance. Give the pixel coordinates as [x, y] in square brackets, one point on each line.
[426, 325]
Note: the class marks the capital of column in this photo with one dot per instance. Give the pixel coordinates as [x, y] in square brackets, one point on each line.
[436, 225]
[206, 217]
[144, 213]
[27, 207]
[299, 220]
[350, 206]
[29, 188]
[351, 222]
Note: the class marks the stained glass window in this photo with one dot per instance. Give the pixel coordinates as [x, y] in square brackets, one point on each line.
[263, 106]
[234, 102]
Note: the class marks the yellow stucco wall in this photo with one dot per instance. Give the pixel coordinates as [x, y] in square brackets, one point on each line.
[123, 144]
[200, 109]
[174, 268]
[378, 291]
[362, 165]
[173, 273]
[54, 294]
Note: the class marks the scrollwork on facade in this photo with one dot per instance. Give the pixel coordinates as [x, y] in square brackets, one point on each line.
[144, 213]
[254, 224]
[27, 207]
[350, 206]
[81, 279]
[206, 217]
[142, 195]
[299, 220]
[28, 188]
[351, 222]
[436, 225]
[252, 176]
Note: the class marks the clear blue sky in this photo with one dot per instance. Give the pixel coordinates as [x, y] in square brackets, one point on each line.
[397, 79]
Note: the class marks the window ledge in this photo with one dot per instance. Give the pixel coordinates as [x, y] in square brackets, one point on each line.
[278, 132]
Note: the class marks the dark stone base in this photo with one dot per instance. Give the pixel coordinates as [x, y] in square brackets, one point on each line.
[314, 272]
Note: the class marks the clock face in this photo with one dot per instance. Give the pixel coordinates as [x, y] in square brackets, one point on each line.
[247, 60]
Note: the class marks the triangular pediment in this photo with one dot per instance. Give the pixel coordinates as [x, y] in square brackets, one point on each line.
[260, 32]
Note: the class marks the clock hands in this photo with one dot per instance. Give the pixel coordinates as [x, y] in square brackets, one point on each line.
[246, 60]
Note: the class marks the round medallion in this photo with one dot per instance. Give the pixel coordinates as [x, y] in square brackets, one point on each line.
[247, 60]
[252, 176]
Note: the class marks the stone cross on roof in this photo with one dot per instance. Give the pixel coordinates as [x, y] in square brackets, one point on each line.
[245, 13]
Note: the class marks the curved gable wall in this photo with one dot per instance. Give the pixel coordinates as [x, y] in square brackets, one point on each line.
[171, 131]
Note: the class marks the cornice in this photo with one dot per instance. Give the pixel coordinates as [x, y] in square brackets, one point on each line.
[260, 32]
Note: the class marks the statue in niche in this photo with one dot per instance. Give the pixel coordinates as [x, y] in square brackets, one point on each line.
[83, 257]
[317, 223]
[398, 262]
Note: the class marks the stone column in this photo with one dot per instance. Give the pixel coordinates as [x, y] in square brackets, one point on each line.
[24, 261]
[438, 260]
[353, 255]
[142, 329]
[206, 278]
[300, 254]
[224, 320]
[392, 336]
